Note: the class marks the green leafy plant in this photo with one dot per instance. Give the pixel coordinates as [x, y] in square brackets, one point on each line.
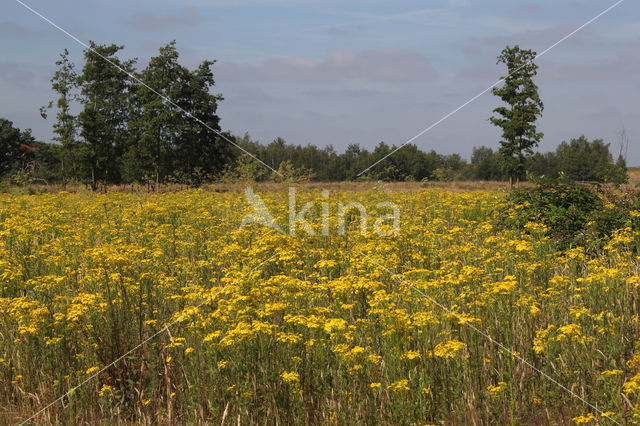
[574, 214]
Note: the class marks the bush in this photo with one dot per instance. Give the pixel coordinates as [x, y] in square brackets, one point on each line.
[574, 214]
[290, 173]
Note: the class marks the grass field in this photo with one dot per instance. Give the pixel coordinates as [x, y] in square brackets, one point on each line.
[453, 320]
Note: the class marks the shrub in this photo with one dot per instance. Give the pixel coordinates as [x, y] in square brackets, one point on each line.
[574, 214]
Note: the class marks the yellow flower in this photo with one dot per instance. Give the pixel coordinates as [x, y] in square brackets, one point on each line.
[290, 377]
[410, 355]
[496, 390]
[535, 310]
[608, 373]
[584, 419]
[289, 337]
[400, 385]
[334, 324]
[374, 358]
[105, 389]
[632, 386]
[449, 349]
[92, 370]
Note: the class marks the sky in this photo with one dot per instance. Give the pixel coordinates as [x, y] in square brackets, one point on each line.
[340, 72]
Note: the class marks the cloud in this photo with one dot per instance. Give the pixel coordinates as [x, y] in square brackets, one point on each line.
[530, 8]
[390, 65]
[16, 75]
[337, 31]
[290, 97]
[189, 56]
[622, 67]
[12, 30]
[347, 30]
[162, 21]
[506, 26]
[428, 17]
[459, 3]
[484, 50]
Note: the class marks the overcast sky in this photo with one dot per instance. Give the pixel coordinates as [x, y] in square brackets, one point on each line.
[341, 72]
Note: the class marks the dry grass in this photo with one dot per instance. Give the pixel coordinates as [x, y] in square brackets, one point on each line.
[352, 186]
[634, 176]
[461, 186]
[357, 186]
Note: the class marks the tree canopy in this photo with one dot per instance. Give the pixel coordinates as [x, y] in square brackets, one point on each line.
[517, 120]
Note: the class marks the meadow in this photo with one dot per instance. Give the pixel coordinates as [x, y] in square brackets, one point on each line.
[455, 320]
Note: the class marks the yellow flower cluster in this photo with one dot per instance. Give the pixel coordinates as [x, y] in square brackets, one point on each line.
[264, 324]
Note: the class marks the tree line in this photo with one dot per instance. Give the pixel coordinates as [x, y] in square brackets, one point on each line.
[578, 159]
[115, 124]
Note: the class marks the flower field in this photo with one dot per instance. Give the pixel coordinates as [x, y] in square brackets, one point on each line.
[454, 320]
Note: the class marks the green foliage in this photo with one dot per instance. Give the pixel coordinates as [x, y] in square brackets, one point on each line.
[47, 160]
[106, 92]
[442, 175]
[19, 154]
[72, 155]
[586, 161]
[244, 169]
[390, 173]
[519, 135]
[485, 164]
[21, 178]
[10, 139]
[574, 214]
[543, 165]
[290, 173]
[408, 163]
[129, 132]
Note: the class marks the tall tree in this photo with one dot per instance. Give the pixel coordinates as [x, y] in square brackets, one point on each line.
[156, 125]
[517, 121]
[71, 152]
[169, 141]
[106, 94]
[201, 151]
